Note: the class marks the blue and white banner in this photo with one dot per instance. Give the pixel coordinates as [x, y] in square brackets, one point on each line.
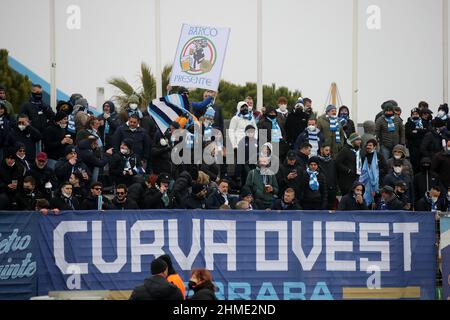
[18, 255]
[445, 254]
[259, 255]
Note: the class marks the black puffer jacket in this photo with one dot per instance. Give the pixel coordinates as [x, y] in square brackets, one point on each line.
[156, 288]
[348, 202]
[205, 291]
[296, 123]
[40, 114]
[52, 137]
[91, 158]
[181, 189]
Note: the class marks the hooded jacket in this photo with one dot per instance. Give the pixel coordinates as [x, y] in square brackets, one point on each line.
[425, 179]
[348, 125]
[237, 127]
[369, 132]
[40, 114]
[112, 123]
[407, 166]
[432, 143]
[28, 137]
[91, 158]
[296, 123]
[348, 202]
[346, 168]
[203, 292]
[52, 137]
[156, 288]
[441, 165]
[117, 164]
[141, 140]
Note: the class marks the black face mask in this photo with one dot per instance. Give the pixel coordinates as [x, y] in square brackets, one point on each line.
[36, 96]
[271, 116]
[192, 285]
[244, 111]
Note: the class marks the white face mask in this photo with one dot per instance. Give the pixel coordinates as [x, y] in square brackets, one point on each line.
[311, 128]
[22, 127]
[63, 125]
[434, 199]
[283, 107]
[133, 106]
[124, 151]
[441, 113]
[448, 194]
[207, 123]
[398, 170]
[163, 142]
[397, 157]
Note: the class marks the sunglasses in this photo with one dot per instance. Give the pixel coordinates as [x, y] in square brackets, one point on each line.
[98, 189]
[121, 193]
[21, 150]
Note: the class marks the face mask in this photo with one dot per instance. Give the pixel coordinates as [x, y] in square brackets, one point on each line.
[441, 113]
[397, 157]
[415, 118]
[63, 125]
[272, 116]
[36, 96]
[311, 128]
[124, 151]
[21, 127]
[434, 199]
[244, 111]
[344, 116]
[28, 191]
[388, 116]
[163, 142]
[283, 107]
[448, 194]
[192, 284]
[133, 106]
[21, 157]
[207, 123]
[398, 170]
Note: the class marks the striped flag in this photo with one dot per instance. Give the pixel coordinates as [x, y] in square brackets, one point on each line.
[168, 109]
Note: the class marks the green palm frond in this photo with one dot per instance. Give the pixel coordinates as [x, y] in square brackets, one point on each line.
[167, 70]
[148, 84]
[122, 84]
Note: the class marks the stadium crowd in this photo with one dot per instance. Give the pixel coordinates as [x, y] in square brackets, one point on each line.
[72, 159]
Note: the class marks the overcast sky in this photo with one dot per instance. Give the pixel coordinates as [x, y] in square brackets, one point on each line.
[307, 44]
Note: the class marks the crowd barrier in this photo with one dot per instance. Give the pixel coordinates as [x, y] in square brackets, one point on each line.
[260, 255]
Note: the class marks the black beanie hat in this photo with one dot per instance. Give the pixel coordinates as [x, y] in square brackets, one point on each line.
[158, 266]
[168, 261]
[59, 116]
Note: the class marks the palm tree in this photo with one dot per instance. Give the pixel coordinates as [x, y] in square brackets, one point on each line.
[146, 91]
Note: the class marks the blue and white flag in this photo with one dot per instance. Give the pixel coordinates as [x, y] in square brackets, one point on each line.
[168, 109]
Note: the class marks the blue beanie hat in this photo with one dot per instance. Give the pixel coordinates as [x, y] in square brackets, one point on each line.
[330, 107]
[210, 113]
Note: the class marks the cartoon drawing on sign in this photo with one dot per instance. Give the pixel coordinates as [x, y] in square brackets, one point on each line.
[198, 56]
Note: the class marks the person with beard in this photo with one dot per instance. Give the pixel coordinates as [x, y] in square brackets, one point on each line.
[389, 131]
[25, 199]
[348, 163]
[287, 202]
[354, 200]
[65, 199]
[290, 175]
[39, 113]
[24, 133]
[172, 276]
[45, 177]
[8, 106]
[396, 175]
[344, 118]
[21, 156]
[415, 131]
[11, 178]
[56, 138]
[157, 196]
[297, 121]
[124, 166]
[369, 132]
[441, 164]
[388, 200]
[197, 198]
[425, 179]
[311, 135]
[303, 155]
[272, 123]
[201, 283]
[332, 130]
[219, 197]
[373, 170]
[402, 195]
[95, 200]
[121, 200]
[5, 126]
[79, 190]
[435, 140]
[328, 168]
[247, 154]
[109, 122]
[432, 201]
[314, 195]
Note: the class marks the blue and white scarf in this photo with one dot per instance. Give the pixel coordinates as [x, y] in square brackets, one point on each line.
[71, 124]
[248, 116]
[383, 205]
[99, 140]
[370, 177]
[391, 124]
[207, 134]
[418, 123]
[276, 131]
[335, 127]
[313, 139]
[313, 182]
[136, 112]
